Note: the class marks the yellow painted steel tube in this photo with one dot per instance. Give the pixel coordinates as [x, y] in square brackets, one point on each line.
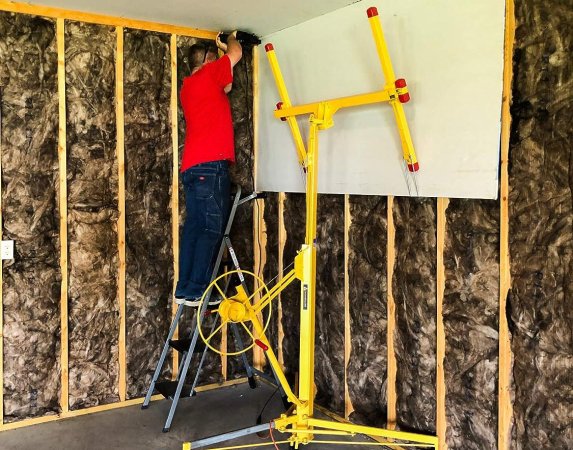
[381, 47]
[283, 94]
[372, 431]
[259, 329]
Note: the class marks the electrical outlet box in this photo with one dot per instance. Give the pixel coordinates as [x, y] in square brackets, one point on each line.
[7, 250]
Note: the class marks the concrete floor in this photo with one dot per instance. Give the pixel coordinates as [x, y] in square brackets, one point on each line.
[207, 414]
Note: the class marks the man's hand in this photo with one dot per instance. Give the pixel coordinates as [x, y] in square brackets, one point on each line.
[234, 50]
[219, 43]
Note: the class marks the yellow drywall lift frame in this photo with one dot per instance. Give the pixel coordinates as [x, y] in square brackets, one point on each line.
[300, 422]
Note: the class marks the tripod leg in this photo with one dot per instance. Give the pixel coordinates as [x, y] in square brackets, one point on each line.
[240, 346]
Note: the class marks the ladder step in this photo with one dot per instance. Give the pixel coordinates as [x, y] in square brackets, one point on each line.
[182, 345]
[168, 388]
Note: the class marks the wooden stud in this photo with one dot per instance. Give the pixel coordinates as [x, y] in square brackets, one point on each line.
[391, 313]
[505, 409]
[224, 362]
[259, 226]
[348, 408]
[119, 114]
[441, 337]
[174, 187]
[63, 206]
[59, 13]
[282, 242]
[107, 407]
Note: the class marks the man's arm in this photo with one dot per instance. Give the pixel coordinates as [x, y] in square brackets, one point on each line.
[233, 50]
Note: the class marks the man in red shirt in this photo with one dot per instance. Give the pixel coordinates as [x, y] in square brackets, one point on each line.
[208, 151]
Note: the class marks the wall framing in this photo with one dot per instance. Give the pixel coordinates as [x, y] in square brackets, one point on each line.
[61, 16]
[504, 408]
[505, 355]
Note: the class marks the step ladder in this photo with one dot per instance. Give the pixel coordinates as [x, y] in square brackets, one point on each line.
[193, 345]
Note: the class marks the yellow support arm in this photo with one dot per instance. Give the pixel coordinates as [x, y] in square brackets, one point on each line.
[285, 102]
[400, 85]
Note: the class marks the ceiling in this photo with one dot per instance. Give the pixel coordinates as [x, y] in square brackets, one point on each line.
[261, 17]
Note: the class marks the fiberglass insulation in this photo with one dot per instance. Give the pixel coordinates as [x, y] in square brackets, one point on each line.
[367, 366]
[470, 315]
[270, 270]
[329, 343]
[92, 214]
[540, 307]
[30, 217]
[414, 289]
[148, 177]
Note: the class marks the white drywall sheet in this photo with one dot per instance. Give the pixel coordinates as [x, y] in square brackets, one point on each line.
[451, 54]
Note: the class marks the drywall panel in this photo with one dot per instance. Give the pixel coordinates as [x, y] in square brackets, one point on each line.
[451, 54]
[251, 15]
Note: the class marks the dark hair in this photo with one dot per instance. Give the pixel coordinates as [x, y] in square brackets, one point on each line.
[198, 54]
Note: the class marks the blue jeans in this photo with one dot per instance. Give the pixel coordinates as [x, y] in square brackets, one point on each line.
[207, 201]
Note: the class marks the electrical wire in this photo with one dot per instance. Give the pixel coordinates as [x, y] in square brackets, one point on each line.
[271, 433]
[260, 417]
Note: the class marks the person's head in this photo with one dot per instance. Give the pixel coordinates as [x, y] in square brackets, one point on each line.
[201, 54]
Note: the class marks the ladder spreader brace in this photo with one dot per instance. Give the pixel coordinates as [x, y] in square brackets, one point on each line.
[189, 346]
[299, 424]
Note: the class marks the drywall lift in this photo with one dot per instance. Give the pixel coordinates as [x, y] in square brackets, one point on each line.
[241, 308]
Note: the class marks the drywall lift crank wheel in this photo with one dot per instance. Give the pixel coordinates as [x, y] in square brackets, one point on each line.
[239, 308]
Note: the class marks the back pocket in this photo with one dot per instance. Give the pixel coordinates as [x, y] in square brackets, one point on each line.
[204, 185]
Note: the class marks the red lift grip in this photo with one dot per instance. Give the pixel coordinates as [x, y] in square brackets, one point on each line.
[262, 345]
[280, 106]
[372, 11]
[401, 83]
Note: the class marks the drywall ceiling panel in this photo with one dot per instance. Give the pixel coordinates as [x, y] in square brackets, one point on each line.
[256, 16]
[451, 54]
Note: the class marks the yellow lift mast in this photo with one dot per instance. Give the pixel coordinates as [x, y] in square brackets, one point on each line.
[300, 424]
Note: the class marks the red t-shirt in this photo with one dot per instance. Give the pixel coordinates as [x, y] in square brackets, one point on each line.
[209, 125]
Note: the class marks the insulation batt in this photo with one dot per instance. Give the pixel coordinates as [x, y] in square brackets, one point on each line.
[31, 281]
[271, 267]
[540, 307]
[294, 220]
[92, 214]
[470, 315]
[367, 366]
[329, 343]
[148, 178]
[414, 289]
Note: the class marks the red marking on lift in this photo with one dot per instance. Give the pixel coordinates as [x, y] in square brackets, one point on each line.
[280, 106]
[262, 345]
[401, 83]
[372, 11]
[404, 98]
[269, 47]
[413, 167]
